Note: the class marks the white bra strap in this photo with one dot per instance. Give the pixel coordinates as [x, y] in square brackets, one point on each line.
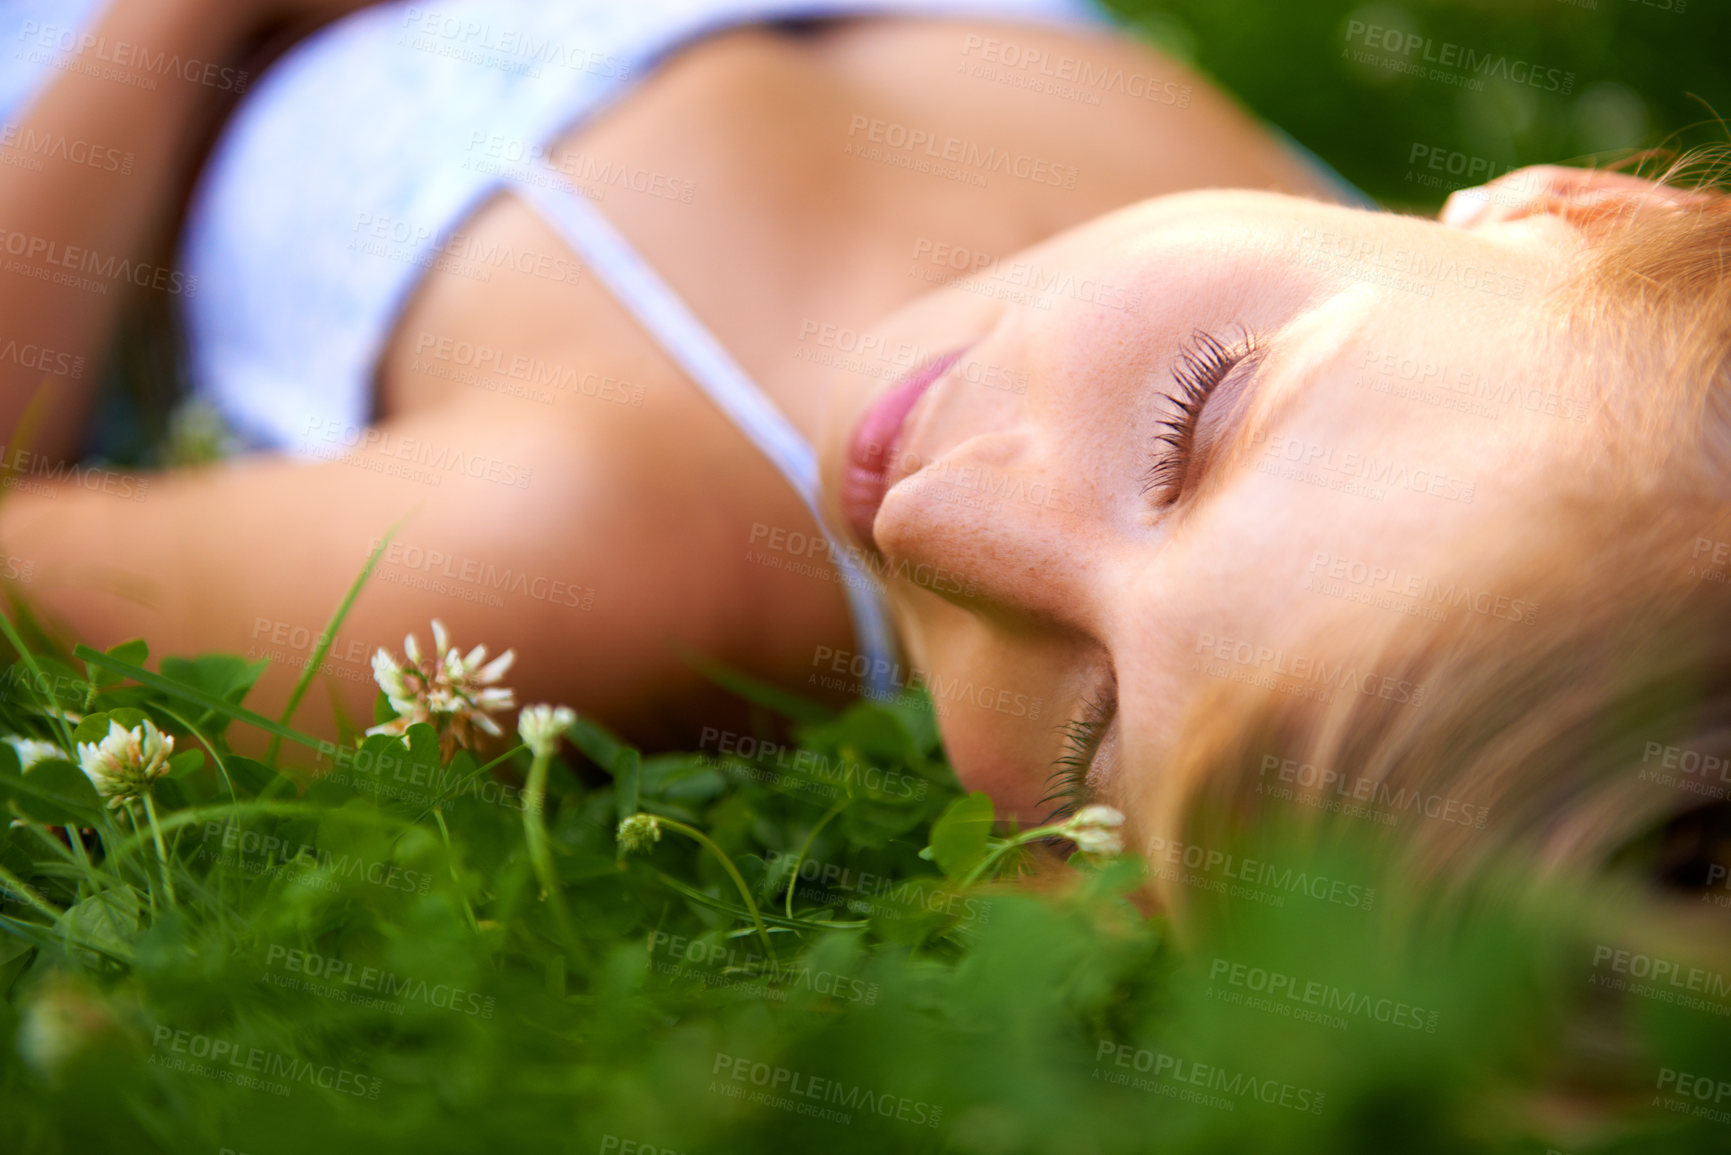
[640, 289]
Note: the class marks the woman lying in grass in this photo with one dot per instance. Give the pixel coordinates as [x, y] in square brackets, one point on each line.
[569, 292]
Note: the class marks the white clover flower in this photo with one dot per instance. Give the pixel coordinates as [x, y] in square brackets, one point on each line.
[1095, 830]
[453, 693]
[59, 1022]
[126, 762]
[541, 726]
[639, 832]
[32, 750]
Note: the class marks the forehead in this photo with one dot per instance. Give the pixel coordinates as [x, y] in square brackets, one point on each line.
[1215, 230]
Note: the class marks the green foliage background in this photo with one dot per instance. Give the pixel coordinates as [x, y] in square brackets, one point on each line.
[363, 959]
[1646, 73]
[937, 1015]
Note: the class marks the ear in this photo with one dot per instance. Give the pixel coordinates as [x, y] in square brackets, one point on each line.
[1550, 188]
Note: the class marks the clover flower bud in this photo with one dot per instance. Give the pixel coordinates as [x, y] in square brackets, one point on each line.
[639, 832]
[1096, 830]
[541, 726]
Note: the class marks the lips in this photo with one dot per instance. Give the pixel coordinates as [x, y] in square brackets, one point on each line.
[872, 450]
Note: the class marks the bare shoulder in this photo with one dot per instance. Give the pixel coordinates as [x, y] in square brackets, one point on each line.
[1118, 118]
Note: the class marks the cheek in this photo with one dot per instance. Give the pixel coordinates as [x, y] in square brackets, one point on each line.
[992, 754]
[998, 702]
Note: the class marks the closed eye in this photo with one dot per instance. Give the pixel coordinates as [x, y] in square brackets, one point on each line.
[1203, 363]
[1070, 785]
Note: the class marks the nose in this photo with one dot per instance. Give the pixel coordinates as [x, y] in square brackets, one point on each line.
[996, 519]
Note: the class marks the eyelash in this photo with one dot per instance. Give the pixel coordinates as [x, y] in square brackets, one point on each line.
[1067, 786]
[1202, 364]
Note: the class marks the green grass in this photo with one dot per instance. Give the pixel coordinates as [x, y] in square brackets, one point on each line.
[356, 953]
[1614, 76]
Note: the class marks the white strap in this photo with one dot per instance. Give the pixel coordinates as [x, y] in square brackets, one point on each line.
[689, 342]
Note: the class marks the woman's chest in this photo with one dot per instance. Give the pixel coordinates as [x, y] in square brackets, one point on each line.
[791, 191]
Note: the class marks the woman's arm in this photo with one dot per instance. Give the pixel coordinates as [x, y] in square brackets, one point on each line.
[525, 534]
[96, 161]
[107, 138]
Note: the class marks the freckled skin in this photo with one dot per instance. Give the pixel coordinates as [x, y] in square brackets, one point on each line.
[1107, 587]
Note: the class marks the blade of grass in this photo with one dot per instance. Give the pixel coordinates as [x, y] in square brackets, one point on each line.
[221, 767]
[322, 646]
[46, 937]
[23, 785]
[805, 849]
[596, 743]
[41, 679]
[28, 893]
[468, 910]
[29, 424]
[198, 698]
[770, 918]
[727, 864]
[182, 818]
[149, 882]
[762, 693]
[162, 858]
[451, 790]
[539, 846]
[86, 870]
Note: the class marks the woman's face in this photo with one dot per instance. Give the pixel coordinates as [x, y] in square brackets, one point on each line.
[1213, 437]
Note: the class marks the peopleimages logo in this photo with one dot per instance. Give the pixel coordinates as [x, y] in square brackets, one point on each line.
[367, 443]
[1190, 1081]
[773, 761]
[58, 146]
[279, 856]
[230, 1062]
[975, 159]
[855, 672]
[1306, 668]
[416, 780]
[1442, 60]
[42, 359]
[803, 1093]
[71, 45]
[1070, 77]
[1223, 872]
[1360, 473]
[86, 269]
[1038, 285]
[1347, 571]
[455, 33]
[22, 469]
[1661, 973]
[800, 545]
[1281, 989]
[1319, 783]
[745, 972]
[343, 976]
